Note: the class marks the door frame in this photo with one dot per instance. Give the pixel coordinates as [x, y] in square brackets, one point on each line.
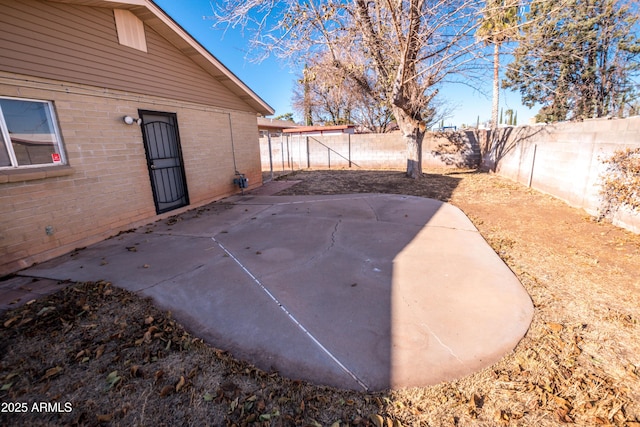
[173, 118]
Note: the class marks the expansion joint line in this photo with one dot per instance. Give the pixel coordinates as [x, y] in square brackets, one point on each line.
[292, 317]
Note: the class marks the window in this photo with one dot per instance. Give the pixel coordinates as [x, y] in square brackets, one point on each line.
[29, 135]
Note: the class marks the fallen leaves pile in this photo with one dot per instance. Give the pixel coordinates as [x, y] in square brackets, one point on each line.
[120, 361]
[95, 354]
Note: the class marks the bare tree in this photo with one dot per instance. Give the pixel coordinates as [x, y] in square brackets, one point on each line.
[324, 93]
[409, 45]
[328, 95]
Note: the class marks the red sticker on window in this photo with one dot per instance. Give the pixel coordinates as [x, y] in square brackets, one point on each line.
[56, 158]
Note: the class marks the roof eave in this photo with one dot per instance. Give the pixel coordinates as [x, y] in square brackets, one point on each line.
[153, 16]
[303, 129]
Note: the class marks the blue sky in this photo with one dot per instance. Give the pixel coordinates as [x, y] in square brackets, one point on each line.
[273, 80]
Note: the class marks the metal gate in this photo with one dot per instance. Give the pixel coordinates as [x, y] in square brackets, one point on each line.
[164, 159]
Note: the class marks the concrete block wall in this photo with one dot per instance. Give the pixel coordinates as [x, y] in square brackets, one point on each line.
[279, 153]
[106, 187]
[367, 151]
[379, 151]
[566, 159]
[457, 149]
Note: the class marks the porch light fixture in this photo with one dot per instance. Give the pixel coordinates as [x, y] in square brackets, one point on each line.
[130, 120]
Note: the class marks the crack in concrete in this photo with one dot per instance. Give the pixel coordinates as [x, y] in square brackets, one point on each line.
[170, 279]
[331, 245]
[430, 331]
[446, 347]
[372, 209]
[333, 236]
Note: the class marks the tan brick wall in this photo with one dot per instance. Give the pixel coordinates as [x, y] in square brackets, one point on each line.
[247, 149]
[109, 189]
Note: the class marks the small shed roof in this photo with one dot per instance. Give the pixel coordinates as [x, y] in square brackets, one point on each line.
[275, 125]
[321, 130]
[153, 16]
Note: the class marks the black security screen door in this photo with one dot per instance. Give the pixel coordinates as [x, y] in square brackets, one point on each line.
[164, 159]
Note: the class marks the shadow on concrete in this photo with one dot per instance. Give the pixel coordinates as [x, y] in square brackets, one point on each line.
[357, 291]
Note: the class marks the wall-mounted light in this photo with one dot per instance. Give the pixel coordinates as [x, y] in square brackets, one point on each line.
[130, 120]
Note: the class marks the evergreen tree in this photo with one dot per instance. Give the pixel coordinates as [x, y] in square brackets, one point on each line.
[509, 114]
[578, 58]
[287, 117]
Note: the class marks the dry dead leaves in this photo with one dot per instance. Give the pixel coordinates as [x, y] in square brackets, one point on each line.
[120, 361]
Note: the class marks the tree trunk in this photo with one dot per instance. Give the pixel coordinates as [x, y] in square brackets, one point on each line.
[414, 154]
[496, 85]
[412, 134]
[495, 107]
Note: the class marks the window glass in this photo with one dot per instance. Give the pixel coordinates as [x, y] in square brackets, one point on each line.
[30, 127]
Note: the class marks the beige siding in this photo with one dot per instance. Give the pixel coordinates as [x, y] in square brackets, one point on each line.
[80, 44]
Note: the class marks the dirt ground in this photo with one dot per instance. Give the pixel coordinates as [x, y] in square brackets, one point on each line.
[94, 354]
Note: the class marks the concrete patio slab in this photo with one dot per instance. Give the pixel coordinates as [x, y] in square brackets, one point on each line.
[363, 291]
[234, 313]
[134, 261]
[16, 291]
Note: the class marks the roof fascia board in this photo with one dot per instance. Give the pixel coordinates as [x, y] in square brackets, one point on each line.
[120, 4]
[331, 128]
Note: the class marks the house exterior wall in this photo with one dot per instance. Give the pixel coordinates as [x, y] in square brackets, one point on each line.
[70, 54]
[79, 44]
[106, 187]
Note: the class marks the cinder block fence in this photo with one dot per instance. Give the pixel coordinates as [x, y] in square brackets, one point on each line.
[565, 160]
[366, 151]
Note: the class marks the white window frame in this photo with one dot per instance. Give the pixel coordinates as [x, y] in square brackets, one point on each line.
[6, 137]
